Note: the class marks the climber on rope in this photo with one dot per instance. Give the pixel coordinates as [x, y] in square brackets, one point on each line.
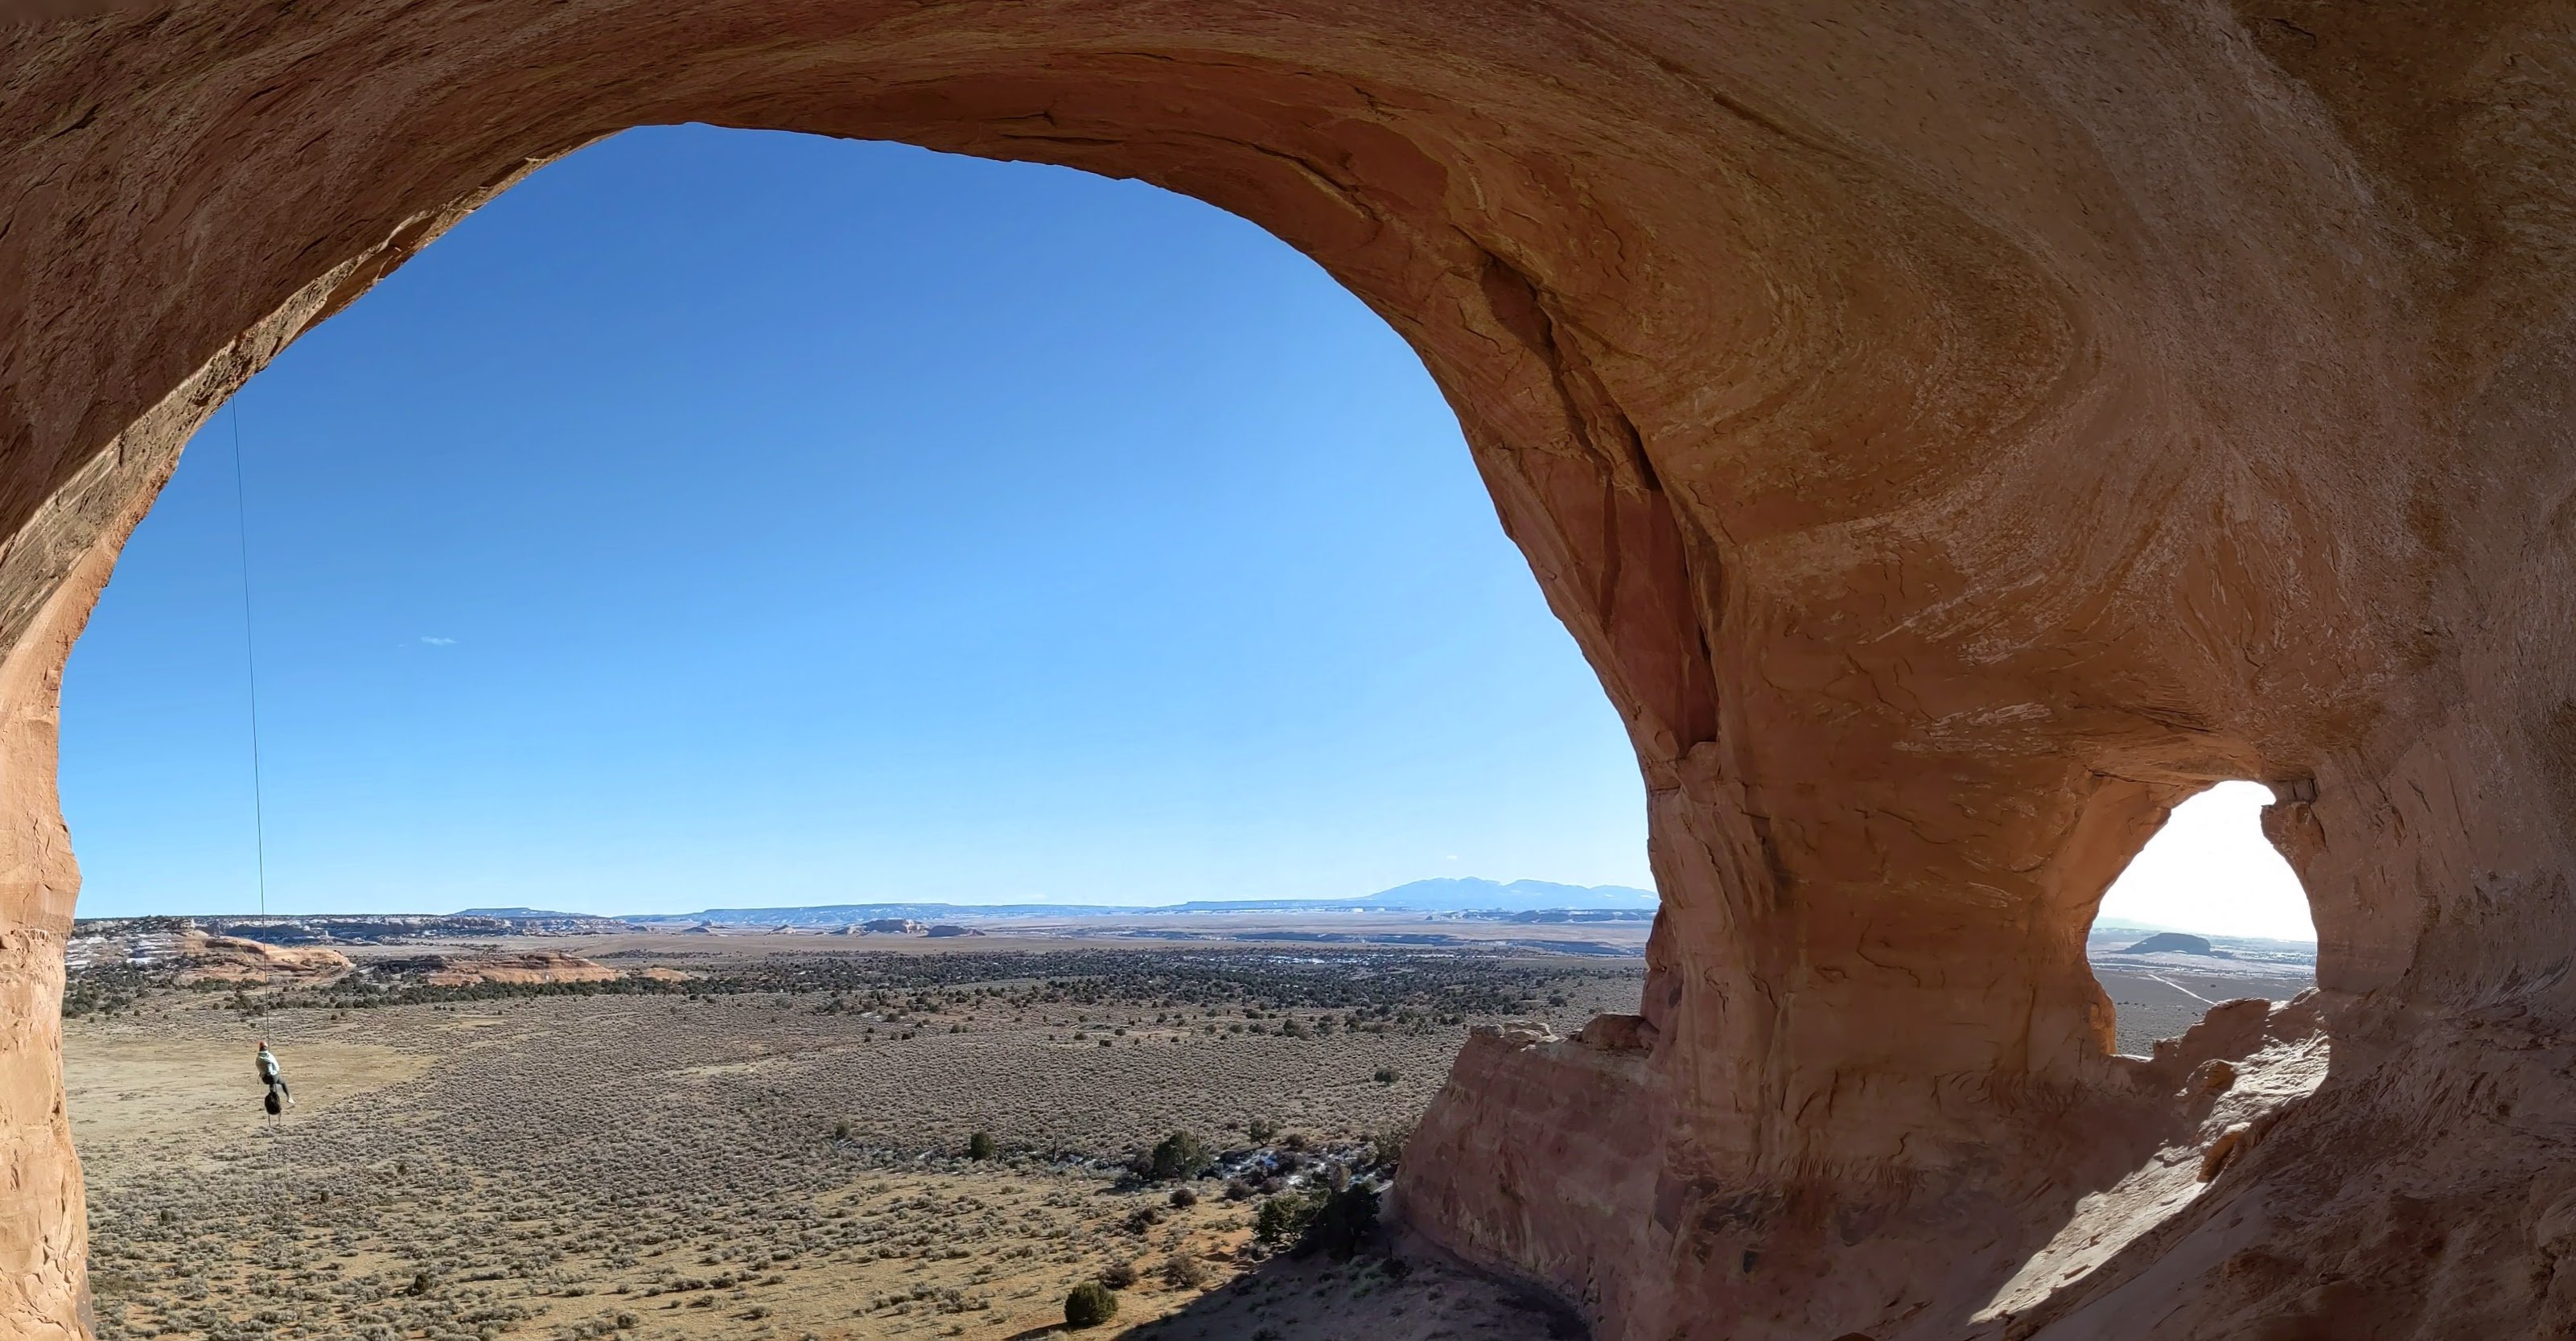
[280, 1098]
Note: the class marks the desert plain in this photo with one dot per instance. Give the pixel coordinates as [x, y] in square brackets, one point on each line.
[819, 1138]
[781, 1142]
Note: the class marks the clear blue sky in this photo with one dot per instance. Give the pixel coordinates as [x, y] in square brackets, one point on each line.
[735, 519]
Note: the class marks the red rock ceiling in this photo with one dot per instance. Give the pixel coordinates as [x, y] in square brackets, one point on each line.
[1954, 431]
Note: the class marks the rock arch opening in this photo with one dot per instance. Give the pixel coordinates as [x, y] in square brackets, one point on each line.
[1091, 547]
[2207, 912]
[372, 445]
[1949, 435]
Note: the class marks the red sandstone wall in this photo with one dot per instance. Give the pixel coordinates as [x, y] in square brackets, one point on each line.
[1953, 431]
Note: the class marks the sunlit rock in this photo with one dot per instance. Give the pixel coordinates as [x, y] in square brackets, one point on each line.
[1953, 434]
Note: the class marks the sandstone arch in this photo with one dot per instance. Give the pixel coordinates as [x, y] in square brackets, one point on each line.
[1953, 431]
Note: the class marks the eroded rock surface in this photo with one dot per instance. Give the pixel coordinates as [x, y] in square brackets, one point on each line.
[202, 959]
[522, 968]
[1954, 432]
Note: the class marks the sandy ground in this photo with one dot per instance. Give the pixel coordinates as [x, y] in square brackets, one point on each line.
[2154, 1005]
[763, 1164]
[128, 1092]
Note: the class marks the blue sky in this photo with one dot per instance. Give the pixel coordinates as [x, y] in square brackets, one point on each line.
[737, 519]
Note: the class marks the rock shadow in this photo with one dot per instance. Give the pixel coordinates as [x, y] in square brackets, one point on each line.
[1412, 1293]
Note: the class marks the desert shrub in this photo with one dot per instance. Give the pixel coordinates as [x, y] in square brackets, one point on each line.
[1337, 1224]
[1184, 1271]
[979, 1145]
[1183, 1198]
[1143, 1218]
[1118, 1275]
[1261, 1130]
[1179, 1155]
[1282, 1219]
[1386, 1146]
[1342, 1223]
[102, 990]
[1388, 1075]
[1238, 1190]
[1090, 1305]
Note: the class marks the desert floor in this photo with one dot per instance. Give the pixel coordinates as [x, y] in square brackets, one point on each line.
[785, 1157]
[777, 1147]
[2164, 1000]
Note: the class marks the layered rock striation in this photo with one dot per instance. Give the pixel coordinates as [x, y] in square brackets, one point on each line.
[207, 960]
[522, 968]
[1954, 431]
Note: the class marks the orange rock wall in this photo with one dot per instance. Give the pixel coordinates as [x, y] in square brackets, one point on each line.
[1953, 430]
[232, 959]
[526, 968]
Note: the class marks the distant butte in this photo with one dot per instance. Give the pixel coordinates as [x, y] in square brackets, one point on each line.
[2170, 942]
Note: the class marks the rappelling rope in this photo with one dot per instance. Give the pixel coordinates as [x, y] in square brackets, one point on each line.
[250, 665]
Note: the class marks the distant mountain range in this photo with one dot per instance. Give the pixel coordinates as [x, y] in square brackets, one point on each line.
[1452, 896]
[1520, 896]
[1422, 896]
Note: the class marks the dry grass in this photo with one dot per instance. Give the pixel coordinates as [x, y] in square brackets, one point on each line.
[767, 1163]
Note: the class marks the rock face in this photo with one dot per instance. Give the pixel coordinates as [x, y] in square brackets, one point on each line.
[534, 966]
[201, 958]
[1954, 431]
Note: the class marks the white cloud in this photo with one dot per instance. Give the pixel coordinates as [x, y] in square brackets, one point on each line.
[439, 642]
